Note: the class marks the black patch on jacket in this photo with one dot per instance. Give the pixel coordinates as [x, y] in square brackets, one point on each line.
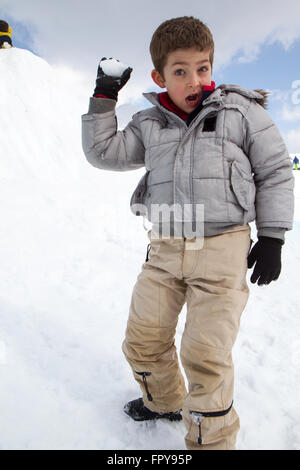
[210, 124]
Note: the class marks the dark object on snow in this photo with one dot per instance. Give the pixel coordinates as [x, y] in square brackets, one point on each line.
[137, 411]
[5, 35]
[267, 255]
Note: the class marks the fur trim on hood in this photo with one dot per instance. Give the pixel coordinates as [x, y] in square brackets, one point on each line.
[264, 100]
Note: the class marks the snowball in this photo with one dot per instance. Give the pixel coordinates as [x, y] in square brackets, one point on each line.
[113, 67]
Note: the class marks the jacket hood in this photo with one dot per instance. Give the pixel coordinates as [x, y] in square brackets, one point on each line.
[259, 95]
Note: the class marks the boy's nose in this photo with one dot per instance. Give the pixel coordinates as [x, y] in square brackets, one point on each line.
[194, 81]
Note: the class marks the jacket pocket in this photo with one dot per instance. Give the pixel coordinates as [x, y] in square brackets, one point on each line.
[242, 185]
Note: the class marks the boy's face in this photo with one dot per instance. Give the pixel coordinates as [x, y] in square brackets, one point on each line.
[185, 72]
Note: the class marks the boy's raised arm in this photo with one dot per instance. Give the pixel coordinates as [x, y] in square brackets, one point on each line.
[104, 146]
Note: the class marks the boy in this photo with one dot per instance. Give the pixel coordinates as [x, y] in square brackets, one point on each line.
[208, 147]
[5, 35]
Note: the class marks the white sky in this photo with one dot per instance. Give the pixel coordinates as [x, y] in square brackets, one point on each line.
[78, 33]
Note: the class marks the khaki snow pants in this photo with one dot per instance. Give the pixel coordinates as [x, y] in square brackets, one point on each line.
[209, 274]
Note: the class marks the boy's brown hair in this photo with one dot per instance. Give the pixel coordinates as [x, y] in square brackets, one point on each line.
[180, 33]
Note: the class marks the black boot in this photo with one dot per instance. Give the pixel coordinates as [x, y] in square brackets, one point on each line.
[137, 411]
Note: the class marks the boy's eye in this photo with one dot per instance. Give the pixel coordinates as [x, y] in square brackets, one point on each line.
[181, 72]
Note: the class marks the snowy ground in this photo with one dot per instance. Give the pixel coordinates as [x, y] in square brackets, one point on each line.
[70, 253]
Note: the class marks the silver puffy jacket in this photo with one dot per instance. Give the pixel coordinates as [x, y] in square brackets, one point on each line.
[231, 159]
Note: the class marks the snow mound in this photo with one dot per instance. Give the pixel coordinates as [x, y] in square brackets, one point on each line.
[33, 117]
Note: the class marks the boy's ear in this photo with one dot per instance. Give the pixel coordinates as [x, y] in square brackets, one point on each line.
[157, 78]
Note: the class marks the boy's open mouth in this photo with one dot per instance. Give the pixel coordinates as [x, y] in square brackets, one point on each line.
[193, 99]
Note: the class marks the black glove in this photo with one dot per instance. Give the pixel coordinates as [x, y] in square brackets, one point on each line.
[267, 255]
[110, 86]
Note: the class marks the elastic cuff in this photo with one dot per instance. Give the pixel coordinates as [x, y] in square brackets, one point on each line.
[272, 232]
[101, 105]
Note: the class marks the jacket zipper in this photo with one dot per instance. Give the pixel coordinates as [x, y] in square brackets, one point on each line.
[194, 224]
[182, 137]
[198, 416]
[217, 104]
[192, 186]
[144, 375]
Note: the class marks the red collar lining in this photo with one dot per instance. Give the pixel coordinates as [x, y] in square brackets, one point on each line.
[166, 101]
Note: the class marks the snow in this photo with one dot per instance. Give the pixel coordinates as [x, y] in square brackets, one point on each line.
[113, 67]
[70, 252]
